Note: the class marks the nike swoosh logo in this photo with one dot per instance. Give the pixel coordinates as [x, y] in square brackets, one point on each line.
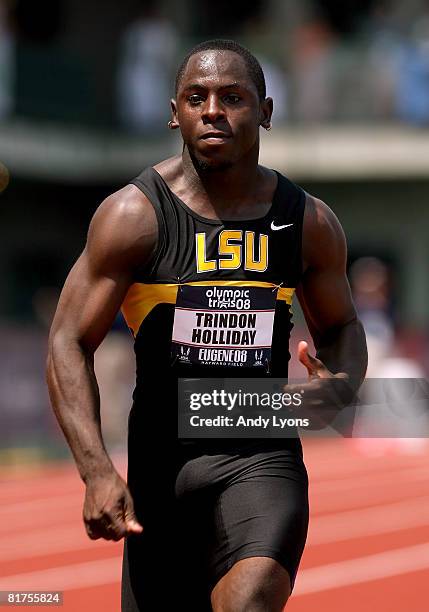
[279, 227]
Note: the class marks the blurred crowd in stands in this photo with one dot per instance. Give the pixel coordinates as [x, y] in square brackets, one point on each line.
[324, 60]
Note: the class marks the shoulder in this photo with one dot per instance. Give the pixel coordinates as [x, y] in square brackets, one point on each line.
[123, 215]
[323, 239]
[128, 205]
[124, 227]
[170, 169]
[287, 187]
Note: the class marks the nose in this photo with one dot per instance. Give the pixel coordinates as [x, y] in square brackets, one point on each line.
[213, 109]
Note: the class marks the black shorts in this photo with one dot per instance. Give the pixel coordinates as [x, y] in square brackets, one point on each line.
[212, 510]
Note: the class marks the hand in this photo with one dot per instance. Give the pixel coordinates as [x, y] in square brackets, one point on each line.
[108, 510]
[325, 394]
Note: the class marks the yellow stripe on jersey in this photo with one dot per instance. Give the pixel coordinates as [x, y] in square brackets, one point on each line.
[142, 298]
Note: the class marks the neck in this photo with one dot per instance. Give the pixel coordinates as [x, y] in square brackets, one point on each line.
[232, 184]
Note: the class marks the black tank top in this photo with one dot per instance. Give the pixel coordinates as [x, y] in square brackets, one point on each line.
[215, 299]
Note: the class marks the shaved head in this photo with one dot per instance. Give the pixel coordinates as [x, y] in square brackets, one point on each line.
[252, 65]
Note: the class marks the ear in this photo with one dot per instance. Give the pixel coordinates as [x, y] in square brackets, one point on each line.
[173, 124]
[266, 111]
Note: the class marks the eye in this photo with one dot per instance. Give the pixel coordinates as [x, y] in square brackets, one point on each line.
[232, 98]
[195, 99]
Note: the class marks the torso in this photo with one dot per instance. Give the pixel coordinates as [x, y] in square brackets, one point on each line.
[197, 265]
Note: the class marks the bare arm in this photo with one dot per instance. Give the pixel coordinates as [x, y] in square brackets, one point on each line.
[325, 295]
[338, 369]
[122, 236]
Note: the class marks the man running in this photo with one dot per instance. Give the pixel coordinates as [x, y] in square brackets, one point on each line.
[208, 524]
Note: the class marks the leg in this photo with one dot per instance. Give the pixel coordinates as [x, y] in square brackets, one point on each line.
[255, 584]
[259, 529]
[130, 592]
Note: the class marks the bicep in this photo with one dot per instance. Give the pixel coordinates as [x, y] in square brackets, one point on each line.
[326, 300]
[89, 303]
[121, 237]
[324, 292]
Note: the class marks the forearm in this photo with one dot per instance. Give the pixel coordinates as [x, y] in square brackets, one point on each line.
[75, 400]
[344, 349]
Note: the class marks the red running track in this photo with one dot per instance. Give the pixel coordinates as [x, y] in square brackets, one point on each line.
[367, 548]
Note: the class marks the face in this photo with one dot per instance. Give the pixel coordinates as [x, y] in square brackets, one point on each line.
[218, 109]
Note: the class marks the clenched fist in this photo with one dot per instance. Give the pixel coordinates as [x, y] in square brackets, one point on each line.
[108, 510]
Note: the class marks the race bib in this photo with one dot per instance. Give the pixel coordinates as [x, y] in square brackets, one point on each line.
[224, 326]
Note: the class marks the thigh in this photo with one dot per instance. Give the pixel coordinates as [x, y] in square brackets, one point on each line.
[254, 583]
[166, 566]
[262, 513]
[147, 570]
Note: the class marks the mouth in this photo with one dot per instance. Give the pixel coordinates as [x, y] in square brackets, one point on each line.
[215, 137]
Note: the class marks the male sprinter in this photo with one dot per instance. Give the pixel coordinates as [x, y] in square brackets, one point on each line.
[209, 524]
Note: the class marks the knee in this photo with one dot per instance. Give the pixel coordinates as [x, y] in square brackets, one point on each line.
[259, 598]
[256, 599]
[251, 596]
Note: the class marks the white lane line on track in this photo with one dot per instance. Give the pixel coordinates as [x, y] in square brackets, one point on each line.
[326, 529]
[320, 472]
[28, 492]
[64, 538]
[39, 512]
[355, 469]
[76, 576]
[323, 459]
[329, 449]
[339, 496]
[60, 481]
[385, 518]
[373, 479]
[322, 468]
[45, 504]
[337, 483]
[409, 475]
[322, 578]
[363, 569]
